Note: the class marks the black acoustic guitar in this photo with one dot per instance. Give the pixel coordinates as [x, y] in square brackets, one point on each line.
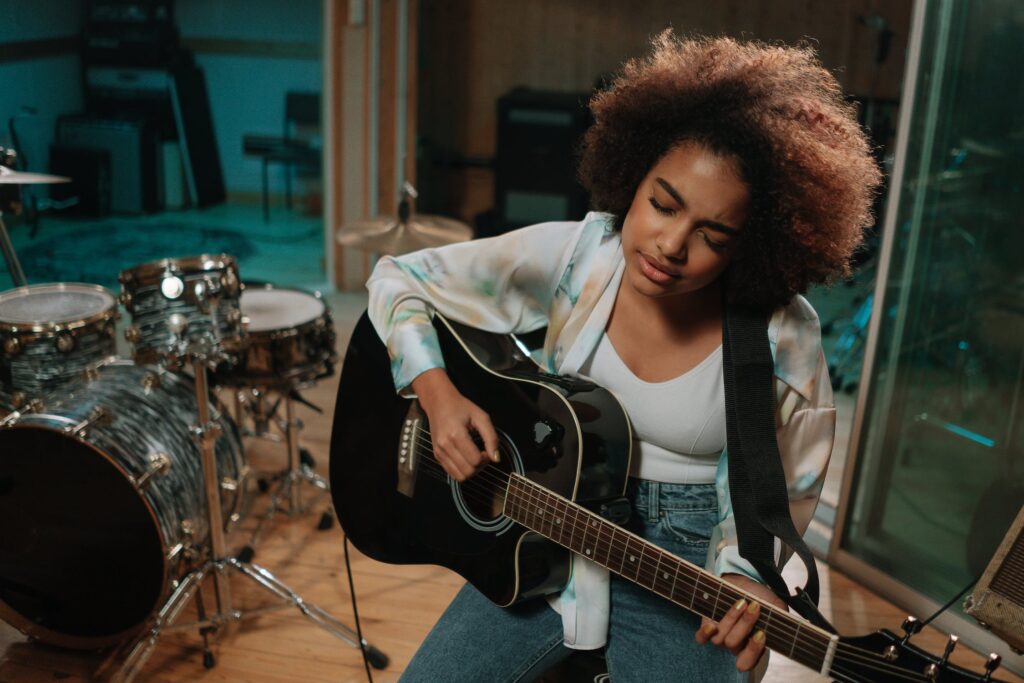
[512, 529]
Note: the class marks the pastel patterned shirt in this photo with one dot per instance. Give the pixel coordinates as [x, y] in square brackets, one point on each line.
[555, 274]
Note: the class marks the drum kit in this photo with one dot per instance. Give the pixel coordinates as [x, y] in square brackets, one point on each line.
[119, 479]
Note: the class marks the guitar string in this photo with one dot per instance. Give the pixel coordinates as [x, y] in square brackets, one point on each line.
[845, 652]
[849, 652]
[501, 480]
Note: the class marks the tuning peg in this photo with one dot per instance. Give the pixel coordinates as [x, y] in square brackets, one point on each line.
[910, 626]
[932, 670]
[991, 665]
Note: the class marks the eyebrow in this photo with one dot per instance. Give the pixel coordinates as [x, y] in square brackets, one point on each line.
[714, 225]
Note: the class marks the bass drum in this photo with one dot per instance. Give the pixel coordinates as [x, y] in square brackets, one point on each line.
[100, 493]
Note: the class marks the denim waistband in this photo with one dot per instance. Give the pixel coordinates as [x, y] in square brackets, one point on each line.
[652, 497]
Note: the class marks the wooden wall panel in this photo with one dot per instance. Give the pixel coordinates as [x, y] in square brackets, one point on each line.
[473, 51]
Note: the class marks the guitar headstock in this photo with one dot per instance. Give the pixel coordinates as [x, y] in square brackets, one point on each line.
[885, 657]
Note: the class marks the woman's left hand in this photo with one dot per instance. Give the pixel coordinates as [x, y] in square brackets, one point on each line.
[735, 632]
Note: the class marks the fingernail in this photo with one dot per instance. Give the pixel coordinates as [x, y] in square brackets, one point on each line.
[709, 629]
[740, 604]
[759, 637]
[496, 455]
[754, 607]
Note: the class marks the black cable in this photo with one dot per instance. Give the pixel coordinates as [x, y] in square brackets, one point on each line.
[355, 610]
[948, 604]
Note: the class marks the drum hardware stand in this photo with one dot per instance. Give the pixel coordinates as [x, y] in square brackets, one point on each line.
[300, 462]
[218, 563]
[13, 265]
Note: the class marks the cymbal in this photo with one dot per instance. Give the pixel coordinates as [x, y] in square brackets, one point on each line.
[11, 177]
[393, 236]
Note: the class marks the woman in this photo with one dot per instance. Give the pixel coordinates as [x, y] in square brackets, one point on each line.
[723, 173]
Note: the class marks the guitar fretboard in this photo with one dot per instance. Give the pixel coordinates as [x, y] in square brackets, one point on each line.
[671, 577]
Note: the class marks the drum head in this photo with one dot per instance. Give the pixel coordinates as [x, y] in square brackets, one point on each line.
[82, 555]
[58, 304]
[279, 309]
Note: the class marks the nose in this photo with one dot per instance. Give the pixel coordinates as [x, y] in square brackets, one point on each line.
[672, 241]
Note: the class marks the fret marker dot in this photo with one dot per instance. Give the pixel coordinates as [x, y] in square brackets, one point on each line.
[632, 558]
[594, 523]
[706, 596]
[558, 520]
[540, 511]
[588, 551]
[664, 574]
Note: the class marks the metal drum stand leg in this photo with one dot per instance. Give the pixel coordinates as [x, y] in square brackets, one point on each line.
[220, 565]
[288, 492]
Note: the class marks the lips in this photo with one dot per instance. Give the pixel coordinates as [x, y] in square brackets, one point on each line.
[655, 272]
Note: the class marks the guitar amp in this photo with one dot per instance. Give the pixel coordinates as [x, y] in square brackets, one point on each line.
[998, 600]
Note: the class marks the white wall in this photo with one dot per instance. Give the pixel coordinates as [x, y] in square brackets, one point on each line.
[247, 92]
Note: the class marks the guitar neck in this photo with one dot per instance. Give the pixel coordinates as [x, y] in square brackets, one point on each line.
[636, 560]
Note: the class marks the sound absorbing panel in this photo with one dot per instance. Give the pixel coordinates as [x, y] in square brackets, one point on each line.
[998, 600]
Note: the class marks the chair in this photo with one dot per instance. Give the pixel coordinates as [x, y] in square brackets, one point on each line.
[301, 112]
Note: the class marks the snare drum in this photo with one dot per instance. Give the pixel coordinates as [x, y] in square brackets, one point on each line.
[204, 289]
[50, 334]
[291, 338]
[100, 494]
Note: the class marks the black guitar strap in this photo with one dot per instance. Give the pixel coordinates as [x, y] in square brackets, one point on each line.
[757, 482]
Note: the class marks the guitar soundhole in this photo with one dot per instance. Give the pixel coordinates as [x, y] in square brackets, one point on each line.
[481, 498]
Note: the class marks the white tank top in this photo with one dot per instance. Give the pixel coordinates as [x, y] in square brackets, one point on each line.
[678, 425]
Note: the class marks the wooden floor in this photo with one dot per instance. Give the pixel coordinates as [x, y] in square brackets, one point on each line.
[397, 604]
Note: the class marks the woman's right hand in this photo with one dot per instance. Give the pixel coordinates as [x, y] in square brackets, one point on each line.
[454, 419]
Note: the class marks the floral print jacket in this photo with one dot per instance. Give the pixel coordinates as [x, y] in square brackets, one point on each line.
[564, 275]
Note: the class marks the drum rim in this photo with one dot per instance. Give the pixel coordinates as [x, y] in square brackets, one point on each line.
[29, 627]
[107, 314]
[145, 273]
[272, 333]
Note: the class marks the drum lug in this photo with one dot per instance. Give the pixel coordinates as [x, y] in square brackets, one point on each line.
[126, 297]
[199, 432]
[12, 346]
[64, 342]
[98, 416]
[159, 463]
[132, 334]
[150, 381]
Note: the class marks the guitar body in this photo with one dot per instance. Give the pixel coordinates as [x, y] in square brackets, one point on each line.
[395, 503]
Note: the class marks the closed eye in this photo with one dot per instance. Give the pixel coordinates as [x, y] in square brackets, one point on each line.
[663, 210]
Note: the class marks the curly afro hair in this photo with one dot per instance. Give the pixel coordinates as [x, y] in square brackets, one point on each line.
[805, 158]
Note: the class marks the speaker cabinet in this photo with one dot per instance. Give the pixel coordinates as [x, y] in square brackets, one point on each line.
[539, 134]
[132, 145]
[998, 599]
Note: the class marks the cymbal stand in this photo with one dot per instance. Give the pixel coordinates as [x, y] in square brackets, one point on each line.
[218, 564]
[299, 471]
[13, 265]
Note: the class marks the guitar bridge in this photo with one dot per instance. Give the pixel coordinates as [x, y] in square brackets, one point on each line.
[408, 450]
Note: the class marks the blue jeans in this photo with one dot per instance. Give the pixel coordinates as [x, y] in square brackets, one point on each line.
[649, 639]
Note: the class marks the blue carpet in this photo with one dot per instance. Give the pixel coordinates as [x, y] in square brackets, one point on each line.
[97, 254]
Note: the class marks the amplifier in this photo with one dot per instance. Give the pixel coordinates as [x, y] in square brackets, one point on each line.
[132, 145]
[998, 600]
[539, 133]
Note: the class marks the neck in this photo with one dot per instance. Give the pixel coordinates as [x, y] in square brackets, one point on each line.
[673, 578]
[679, 315]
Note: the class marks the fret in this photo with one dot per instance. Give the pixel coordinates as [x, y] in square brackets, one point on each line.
[672, 590]
[796, 636]
[544, 512]
[557, 523]
[657, 574]
[611, 546]
[586, 547]
[575, 527]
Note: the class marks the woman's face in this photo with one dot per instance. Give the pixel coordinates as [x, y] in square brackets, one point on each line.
[681, 229]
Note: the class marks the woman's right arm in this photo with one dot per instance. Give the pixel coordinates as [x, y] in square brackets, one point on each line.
[502, 284]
